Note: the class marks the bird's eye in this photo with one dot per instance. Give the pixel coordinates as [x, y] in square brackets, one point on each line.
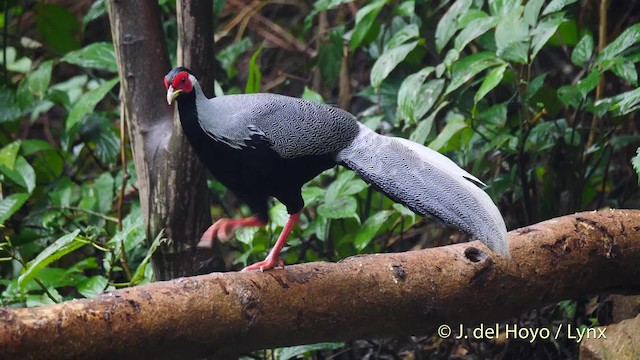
[183, 79]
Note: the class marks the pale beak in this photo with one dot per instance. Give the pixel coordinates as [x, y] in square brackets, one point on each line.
[172, 94]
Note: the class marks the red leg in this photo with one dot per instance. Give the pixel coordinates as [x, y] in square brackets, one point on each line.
[272, 259]
[222, 228]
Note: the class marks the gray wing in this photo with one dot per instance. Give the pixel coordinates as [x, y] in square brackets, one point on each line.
[291, 127]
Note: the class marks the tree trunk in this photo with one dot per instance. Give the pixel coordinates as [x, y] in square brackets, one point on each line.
[171, 181]
[412, 293]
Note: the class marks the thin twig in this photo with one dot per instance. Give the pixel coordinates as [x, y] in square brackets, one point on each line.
[602, 42]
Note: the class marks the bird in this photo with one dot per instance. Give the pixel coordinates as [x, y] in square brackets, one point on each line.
[263, 146]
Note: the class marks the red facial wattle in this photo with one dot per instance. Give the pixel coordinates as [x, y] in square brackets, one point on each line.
[182, 82]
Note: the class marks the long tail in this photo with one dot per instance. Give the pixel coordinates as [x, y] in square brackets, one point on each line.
[428, 183]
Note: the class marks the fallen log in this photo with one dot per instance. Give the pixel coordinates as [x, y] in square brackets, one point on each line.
[220, 315]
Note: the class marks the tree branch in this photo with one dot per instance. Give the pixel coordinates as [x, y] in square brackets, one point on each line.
[361, 297]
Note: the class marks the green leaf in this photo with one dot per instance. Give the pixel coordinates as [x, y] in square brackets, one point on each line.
[510, 30]
[408, 32]
[88, 102]
[9, 154]
[10, 108]
[10, 204]
[97, 10]
[365, 17]
[26, 172]
[429, 94]
[98, 55]
[57, 26]
[490, 82]
[254, 80]
[532, 11]
[370, 228]
[635, 161]
[448, 24]
[388, 61]
[543, 32]
[295, 351]
[475, 28]
[64, 245]
[534, 86]
[103, 187]
[570, 95]
[629, 103]
[309, 94]
[93, 286]
[422, 131]
[465, 69]
[453, 127]
[336, 189]
[230, 54]
[409, 92]
[35, 85]
[22, 65]
[556, 5]
[583, 50]
[330, 55]
[503, 8]
[627, 39]
[139, 276]
[407, 8]
[626, 70]
[586, 85]
[319, 6]
[341, 208]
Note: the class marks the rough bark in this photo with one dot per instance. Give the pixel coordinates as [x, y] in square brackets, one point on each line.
[171, 181]
[380, 295]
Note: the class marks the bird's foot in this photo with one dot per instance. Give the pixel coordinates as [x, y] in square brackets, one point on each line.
[223, 228]
[266, 264]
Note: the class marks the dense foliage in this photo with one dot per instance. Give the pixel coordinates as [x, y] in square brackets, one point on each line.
[524, 94]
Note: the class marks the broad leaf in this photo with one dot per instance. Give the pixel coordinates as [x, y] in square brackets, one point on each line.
[9, 105]
[429, 94]
[448, 24]
[465, 69]
[403, 35]
[388, 61]
[88, 102]
[509, 31]
[635, 161]
[423, 129]
[98, 55]
[408, 93]
[93, 286]
[626, 70]
[295, 351]
[532, 11]
[365, 18]
[370, 228]
[9, 153]
[490, 82]
[557, 5]
[627, 39]
[64, 245]
[453, 127]
[10, 204]
[139, 276]
[543, 32]
[342, 208]
[35, 85]
[475, 28]
[583, 50]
